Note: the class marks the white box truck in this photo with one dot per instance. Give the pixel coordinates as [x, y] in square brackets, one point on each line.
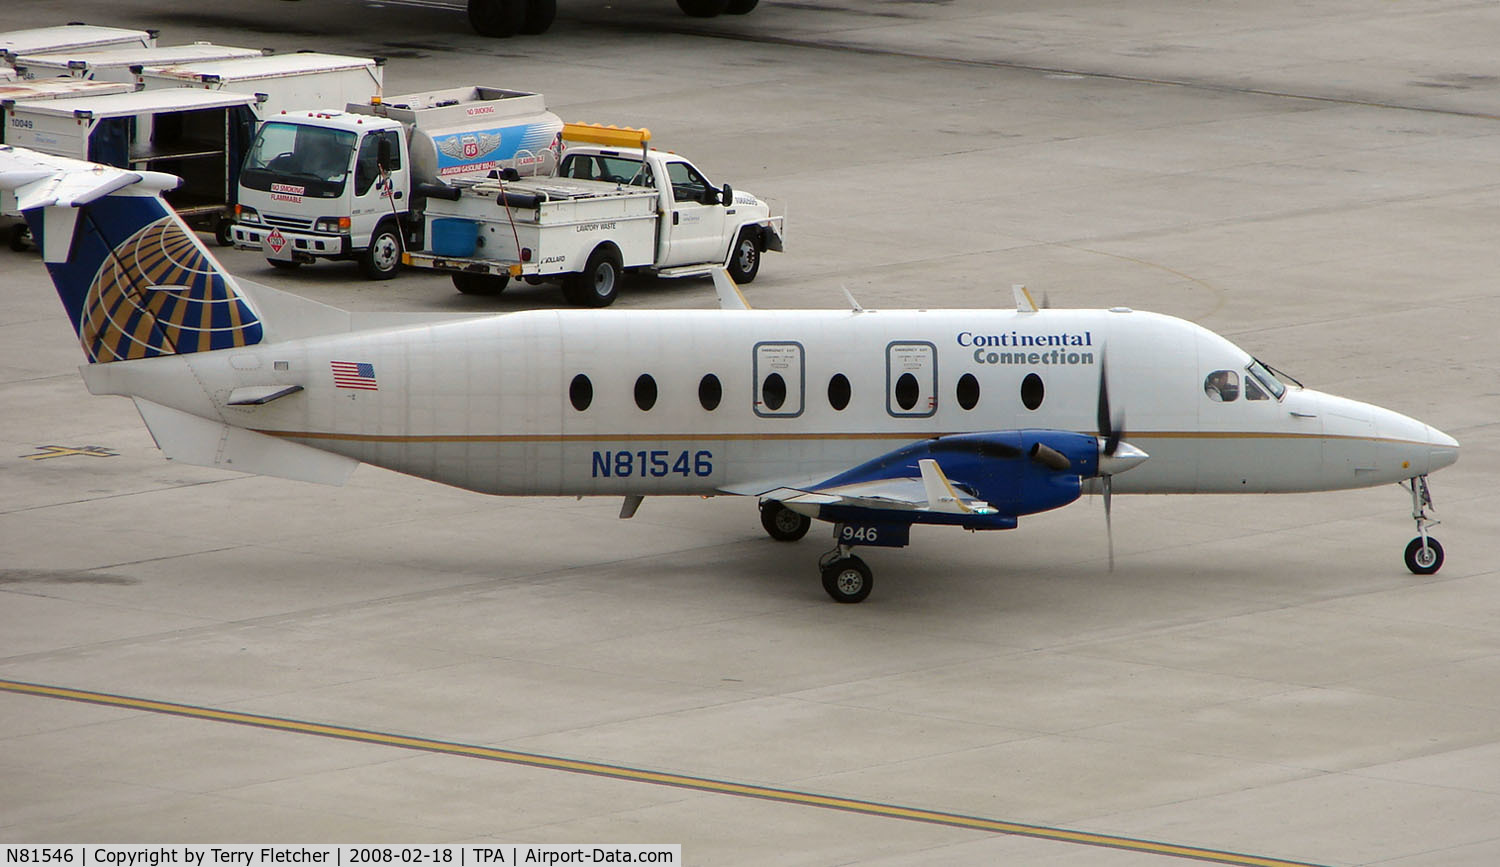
[123, 64]
[200, 136]
[69, 37]
[312, 185]
[613, 205]
[290, 82]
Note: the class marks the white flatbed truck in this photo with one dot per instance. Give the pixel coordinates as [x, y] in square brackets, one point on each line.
[613, 205]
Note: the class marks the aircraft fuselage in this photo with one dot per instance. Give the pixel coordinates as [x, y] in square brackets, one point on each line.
[689, 402]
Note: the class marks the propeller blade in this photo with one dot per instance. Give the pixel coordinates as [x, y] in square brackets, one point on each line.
[1109, 527]
[1111, 428]
[1103, 419]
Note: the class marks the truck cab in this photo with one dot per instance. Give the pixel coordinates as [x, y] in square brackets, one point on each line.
[312, 187]
[699, 219]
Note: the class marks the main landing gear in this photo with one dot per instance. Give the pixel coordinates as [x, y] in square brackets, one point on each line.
[845, 576]
[1424, 555]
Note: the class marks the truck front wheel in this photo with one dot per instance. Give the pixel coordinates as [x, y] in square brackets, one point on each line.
[499, 18]
[382, 259]
[703, 8]
[744, 259]
[599, 283]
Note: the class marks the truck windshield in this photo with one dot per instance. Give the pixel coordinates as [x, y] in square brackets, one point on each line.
[294, 159]
[598, 167]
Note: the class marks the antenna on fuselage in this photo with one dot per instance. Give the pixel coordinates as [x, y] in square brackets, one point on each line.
[853, 305]
[1024, 302]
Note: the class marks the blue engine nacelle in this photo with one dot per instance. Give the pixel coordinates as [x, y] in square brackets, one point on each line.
[1017, 472]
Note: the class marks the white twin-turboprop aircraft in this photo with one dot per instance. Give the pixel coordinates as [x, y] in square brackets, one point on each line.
[873, 420]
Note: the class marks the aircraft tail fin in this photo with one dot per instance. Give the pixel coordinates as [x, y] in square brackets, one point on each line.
[135, 280]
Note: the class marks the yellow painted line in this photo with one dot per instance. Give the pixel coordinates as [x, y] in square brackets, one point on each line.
[659, 778]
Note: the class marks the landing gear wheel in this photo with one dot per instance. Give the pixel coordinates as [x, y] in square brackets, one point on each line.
[499, 18]
[480, 284]
[782, 523]
[382, 259]
[539, 16]
[284, 264]
[599, 284]
[744, 260]
[222, 235]
[703, 8]
[848, 579]
[740, 7]
[1424, 560]
[19, 234]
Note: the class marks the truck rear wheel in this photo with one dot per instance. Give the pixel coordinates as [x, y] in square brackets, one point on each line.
[599, 283]
[499, 18]
[382, 259]
[539, 16]
[703, 8]
[480, 284]
[744, 259]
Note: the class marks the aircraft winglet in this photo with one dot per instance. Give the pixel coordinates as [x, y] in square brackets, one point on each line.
[730, 297]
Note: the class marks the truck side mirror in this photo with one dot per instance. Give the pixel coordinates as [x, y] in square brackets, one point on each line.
[728, 195]
[383, 154]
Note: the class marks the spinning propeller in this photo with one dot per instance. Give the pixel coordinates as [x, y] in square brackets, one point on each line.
[1115, 456]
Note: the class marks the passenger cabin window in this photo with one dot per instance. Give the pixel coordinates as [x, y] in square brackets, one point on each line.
[839, 392]
[581, 392]
[710, 392]
[1222, 386]
[968, 391]
[1033, 391]
[645, 392]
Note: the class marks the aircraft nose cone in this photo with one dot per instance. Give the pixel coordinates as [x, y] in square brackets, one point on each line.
[1442, 449]
[1126, 456]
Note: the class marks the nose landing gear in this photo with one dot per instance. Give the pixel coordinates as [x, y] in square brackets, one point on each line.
[1424, 555]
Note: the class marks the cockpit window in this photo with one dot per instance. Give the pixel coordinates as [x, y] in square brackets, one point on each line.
[1253, 391]
[1266, 378]
[1222, 386]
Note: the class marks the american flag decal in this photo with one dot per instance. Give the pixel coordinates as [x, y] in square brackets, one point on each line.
[354, 374]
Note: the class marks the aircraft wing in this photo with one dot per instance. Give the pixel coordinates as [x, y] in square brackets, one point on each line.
[930, 492]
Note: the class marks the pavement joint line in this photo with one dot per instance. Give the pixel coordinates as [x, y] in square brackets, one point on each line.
[659, 778]
[879, 51]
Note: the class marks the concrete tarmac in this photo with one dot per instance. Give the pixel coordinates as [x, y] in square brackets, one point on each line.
[1259, 675]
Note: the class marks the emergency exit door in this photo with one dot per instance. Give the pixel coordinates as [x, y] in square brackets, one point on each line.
[779, 379]
[911, 379]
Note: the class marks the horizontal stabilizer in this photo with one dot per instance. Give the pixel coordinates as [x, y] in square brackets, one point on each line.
[206, 443]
